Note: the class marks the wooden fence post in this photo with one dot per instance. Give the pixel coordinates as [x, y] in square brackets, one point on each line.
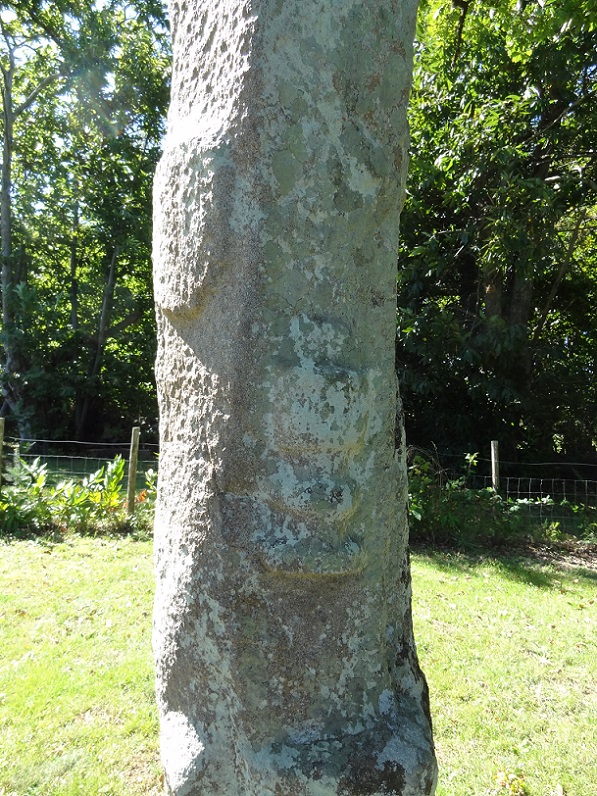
[132, 474]
[1, 446]
[495, 465]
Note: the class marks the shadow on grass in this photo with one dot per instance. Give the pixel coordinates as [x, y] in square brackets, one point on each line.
[139, 532]
[45, 537]
[539, 567]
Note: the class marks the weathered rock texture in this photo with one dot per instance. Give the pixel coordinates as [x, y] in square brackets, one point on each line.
[283, 640]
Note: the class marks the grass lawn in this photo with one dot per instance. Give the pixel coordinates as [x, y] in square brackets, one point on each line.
[509, 649]
[76, 682]
[510, 652]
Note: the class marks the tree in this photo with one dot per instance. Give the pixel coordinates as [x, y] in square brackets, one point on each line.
[285, 660]
[495, 263]
[20, 91]
[77, 292]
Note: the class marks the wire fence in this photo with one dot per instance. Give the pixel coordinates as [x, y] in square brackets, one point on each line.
[75, 459]
[548, 492]
[577, 492]
[557, 491]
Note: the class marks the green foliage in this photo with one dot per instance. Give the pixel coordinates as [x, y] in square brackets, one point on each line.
[445, 511]
[22, 503]
[81, 308]
[94, 503]
[497, 272]
[29, 502]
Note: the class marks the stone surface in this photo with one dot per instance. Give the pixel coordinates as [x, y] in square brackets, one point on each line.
[284, 652]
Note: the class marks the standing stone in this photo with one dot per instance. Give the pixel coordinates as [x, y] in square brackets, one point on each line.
[284, 650]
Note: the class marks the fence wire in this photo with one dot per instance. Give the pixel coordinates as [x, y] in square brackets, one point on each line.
[564, 500]
[563, 493]
[75, 460]
[579, 492]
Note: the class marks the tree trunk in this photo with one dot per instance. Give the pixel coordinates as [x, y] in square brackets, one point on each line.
[521, 302]
[14, 363]
[74, 282]
[15, 360]
[84, 401]
[492, 291]
[564, 266]
[6, 234]
[283, 638]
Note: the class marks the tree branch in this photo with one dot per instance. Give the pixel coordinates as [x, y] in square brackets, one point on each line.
[567, 110]
[35, 93]
[463, 5]
[560, 275]
[132, 317]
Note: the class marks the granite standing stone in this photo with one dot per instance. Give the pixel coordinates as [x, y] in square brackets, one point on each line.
[282, 630]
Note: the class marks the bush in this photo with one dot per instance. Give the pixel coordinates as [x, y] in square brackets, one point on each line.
[22, 503]
[30, 503]
[444, 511]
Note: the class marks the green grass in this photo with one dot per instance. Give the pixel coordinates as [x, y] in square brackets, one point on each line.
[509, 649]
[510, 652]
[77, 709]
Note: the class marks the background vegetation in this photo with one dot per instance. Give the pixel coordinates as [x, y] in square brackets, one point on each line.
[449, 510]
[34, 501]
[84, 93]
[496, 274]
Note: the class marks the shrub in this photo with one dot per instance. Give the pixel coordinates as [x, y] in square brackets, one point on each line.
[444, 511]
[29, 503]
[22, 503]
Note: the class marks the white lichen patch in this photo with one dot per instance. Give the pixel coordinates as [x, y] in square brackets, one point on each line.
[309, 498]
[319, 407]
[361, 180]
[181, 749]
